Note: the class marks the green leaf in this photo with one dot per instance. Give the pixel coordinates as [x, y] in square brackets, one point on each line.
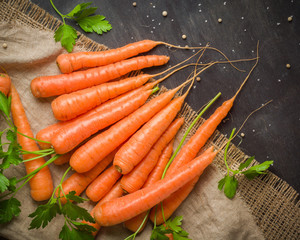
[95, 23]
[256, 170]
[230, 186]
[44, 214]
[86, 12]
[67, 36]
[246, 164]
[78, 8]
[221, 183]
[4, 183]
[12, 184]
[159, 234]
[84, 227]
[74, 234]
[75, 212]
[71, 196]
[180, 236]
[9, 208]
[175, 224]
[4, 104]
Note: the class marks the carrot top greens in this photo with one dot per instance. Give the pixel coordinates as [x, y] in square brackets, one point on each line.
[81, 14]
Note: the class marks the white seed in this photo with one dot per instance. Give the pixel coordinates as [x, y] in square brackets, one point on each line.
[4, 45]
[183, 36]
[242, 134]
[198, 79]
[164, 13]
[220, 20]
[288, 66]
[134, 4]
[290, 18]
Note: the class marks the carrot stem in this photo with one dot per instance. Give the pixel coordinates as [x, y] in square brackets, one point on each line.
[226, 150]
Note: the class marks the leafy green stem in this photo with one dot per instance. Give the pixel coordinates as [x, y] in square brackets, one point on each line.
[60, 14]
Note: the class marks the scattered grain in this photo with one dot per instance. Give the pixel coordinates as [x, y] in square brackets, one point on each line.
[183, 37]
[165, 13]
[134, 4]
[290, 18]
[288, 66]
[4, 45]
[220, 20]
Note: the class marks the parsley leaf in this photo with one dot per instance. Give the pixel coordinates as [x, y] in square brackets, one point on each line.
[75, 212]
[256, 170]
[73, 233]
[230, 186]
[94, 23]
[9, 208]
[73, 197]
[67, 36]
[4, 183]
[246, 164]
[5, 104]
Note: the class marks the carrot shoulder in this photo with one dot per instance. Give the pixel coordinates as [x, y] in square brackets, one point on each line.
[5, 83]
[47, 86]
[41, 184]
[128, 206]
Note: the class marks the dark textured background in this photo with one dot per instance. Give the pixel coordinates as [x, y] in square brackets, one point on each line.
[273, 132]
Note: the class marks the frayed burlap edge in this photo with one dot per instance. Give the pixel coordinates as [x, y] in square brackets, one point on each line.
[271, 200]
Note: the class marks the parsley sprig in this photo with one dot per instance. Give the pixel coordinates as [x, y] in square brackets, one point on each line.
[229, 183]
[71, 212]
[81, 14]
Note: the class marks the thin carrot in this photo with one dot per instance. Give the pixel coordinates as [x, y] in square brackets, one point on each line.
[121, 209]
[73, 61]
[102, 184]
[92, 152]
[5, 83]
[75, 132]
[47, 86]
[41, 184]
[62, 159]
[137, 177]
[78, 182]
[136, 148]
[138, 222]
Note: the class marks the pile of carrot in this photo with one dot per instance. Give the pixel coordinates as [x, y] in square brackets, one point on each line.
[118, 141]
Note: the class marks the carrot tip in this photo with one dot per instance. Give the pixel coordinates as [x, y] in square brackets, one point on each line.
[118, 168]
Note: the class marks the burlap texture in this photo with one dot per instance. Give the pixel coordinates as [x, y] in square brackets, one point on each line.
[266, 207]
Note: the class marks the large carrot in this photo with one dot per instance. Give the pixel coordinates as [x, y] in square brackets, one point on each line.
[78, 182]
[137, 177]
[47, 86]
[92, 152]
[5, 83]
[138, 222]
[121, 209]
[136, 148]
[85, 126]
[73, 61]
[41, 183]
[102, 184]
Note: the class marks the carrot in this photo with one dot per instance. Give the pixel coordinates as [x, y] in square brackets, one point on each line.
[46, 134]
[115, 192]
[137, 177]
[47, 86]
[72, 134]
[92, 152]
[5, 83]
[102, 184]
[73, 61]
[62, 159]
[138, 222]
[78, 182]
[41, 184]
[136, 148]
[121, 209]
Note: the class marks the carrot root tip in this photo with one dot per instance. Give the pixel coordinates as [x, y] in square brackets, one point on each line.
[118, 168]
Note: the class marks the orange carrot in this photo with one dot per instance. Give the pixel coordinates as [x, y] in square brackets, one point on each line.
[5, 83]
[78, 182]
[62, 159]
[46, 134]
[85, 126]
[134, 223]
[102, 184]
[121, 209]
[47, 86]
[41, 184]
[136, 148]
[92, 152]
[73, 61]
[137, 177]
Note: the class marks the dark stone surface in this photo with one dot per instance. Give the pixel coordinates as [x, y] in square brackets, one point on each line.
[273, 132]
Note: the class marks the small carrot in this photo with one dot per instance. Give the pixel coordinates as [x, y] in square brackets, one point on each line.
[62, 159]
[5, 83]
[73, 61]
[102, 184]
[138, 223]
[136, 148]
[137, 177]
[47, 86]
[92, 152]
[41, 183]
[121, 209]
[78, 182]
[85, 126]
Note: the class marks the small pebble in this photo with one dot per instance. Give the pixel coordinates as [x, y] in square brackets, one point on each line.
[4, 45]
[290, 18]
[134, 4]
[183, 36]
[242, 134]
[288, 66]
[164, 13]
[198, 79]
[220, 20]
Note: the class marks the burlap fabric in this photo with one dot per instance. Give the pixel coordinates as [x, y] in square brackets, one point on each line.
[264, 208]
